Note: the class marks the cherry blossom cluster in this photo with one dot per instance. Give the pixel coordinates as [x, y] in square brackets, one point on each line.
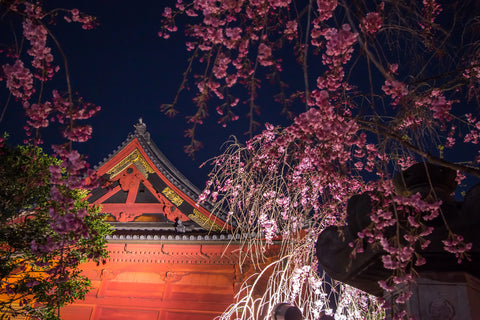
[372, 23]
[41, 112]
[65, 219]
[299, 276]
[19, 80]
[431, 10]
[88, 22]
[355, 304]
[66, 113]
[338, 44]
[36, 34]
[37, 114]
[406, 162]
[338, 52]
[395, 89]
[472, 75]
[231, 55]
[367, 113]
[62, 108]
[438, 105]
[325, 9]
[456, 244]
[474, 135]
[269, 227]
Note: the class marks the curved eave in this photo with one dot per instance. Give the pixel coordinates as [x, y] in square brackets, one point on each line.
[164, 169]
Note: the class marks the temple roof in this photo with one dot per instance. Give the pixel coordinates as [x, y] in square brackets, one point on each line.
[158, 158]
[142, 190]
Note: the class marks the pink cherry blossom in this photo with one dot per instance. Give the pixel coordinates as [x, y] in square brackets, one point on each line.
[19, 80]
[326, 8]
[372, 23]
[265, 55]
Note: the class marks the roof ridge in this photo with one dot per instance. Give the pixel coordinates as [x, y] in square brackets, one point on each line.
[164, 165]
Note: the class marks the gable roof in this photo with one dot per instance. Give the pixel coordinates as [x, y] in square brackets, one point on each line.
[141, 184]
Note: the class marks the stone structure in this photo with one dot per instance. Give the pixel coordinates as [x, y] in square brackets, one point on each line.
[445, 289]
[445, 296]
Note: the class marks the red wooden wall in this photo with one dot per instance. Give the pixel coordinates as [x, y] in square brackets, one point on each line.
[181, 281]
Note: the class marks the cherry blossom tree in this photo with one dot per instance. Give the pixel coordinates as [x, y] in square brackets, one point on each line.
[47, 229]
[379, 86]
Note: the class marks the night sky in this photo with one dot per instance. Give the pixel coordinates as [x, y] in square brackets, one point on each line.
[124, 67]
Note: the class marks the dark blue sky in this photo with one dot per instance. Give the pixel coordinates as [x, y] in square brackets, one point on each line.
[129, 71]
[124, 67]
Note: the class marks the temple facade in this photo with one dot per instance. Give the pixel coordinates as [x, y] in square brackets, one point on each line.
[170, 258]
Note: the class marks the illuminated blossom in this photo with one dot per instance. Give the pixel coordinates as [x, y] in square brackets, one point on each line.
[265, 55]
[19, 80]
[372, 23]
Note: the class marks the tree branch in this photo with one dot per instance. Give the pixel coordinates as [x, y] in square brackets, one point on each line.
[387, 132]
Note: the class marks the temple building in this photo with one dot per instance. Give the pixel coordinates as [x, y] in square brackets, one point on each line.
[170, 258]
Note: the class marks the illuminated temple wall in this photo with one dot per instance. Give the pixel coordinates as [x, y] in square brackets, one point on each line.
[164, 281]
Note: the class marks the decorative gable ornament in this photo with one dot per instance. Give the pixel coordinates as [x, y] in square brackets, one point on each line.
[142, 185]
